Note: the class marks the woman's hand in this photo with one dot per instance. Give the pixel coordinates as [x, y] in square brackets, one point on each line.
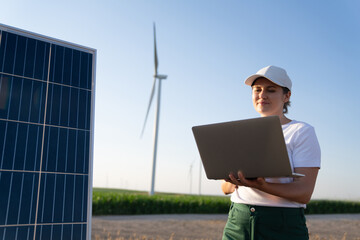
[300, 190]
[227, 187]
[240, 180]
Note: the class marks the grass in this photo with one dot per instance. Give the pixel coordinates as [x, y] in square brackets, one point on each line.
[125, 202]
[120, 202]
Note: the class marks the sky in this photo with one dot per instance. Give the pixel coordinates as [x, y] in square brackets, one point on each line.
[208, 48]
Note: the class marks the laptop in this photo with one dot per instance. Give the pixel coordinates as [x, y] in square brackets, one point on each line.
[254, 146]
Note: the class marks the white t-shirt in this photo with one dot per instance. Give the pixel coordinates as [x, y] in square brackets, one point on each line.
[304, 151]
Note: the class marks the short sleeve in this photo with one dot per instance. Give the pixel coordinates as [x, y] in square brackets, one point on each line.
[306, 151]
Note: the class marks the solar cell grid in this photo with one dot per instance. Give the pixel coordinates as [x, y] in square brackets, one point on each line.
[45, 137]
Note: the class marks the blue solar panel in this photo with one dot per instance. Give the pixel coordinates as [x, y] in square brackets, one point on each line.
[46, 137]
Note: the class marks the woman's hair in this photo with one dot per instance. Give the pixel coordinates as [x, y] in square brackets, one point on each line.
[285, 91]
[287, 104]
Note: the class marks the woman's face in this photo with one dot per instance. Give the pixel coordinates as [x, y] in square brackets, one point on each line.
[268, 98]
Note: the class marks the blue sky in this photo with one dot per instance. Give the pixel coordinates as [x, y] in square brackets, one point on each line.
[207, 49]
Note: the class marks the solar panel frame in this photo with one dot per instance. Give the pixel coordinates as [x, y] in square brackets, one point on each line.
[18, 170]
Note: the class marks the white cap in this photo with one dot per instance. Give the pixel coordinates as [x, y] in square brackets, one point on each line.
[275, 74]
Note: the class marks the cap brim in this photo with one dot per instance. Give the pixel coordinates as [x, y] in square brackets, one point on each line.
[249, 81]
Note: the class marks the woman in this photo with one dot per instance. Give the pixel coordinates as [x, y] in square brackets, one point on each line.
[273, 208]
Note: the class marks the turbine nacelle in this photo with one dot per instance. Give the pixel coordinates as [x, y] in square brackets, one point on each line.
[160, 77]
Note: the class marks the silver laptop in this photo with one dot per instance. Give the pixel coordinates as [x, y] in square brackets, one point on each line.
[254, 146]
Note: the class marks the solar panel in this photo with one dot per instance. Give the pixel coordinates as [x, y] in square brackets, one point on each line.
[46, 136]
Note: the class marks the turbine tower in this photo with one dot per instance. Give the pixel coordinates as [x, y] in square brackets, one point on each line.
[157, 78]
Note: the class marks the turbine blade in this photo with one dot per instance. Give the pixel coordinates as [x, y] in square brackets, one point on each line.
[148, 109]
[155, 52]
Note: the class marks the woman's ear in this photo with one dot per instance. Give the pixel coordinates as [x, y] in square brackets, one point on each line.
[287, 96]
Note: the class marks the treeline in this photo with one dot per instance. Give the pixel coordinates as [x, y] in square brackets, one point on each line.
[130, 203]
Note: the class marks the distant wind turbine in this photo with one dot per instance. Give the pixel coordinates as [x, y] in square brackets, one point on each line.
[190, 176]
[200, 168]
[158, 77]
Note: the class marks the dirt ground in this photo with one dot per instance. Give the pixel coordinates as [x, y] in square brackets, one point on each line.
[209, 227]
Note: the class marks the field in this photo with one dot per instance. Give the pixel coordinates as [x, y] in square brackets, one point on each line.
[118, 202]
[190, 226]
[126, 202]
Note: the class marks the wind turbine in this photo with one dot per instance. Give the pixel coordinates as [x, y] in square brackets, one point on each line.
[190, 176]
[159, 78]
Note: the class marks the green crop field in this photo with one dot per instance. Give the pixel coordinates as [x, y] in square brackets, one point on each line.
[128, 202]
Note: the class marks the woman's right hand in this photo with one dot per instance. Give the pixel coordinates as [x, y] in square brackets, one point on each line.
[228, 187]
